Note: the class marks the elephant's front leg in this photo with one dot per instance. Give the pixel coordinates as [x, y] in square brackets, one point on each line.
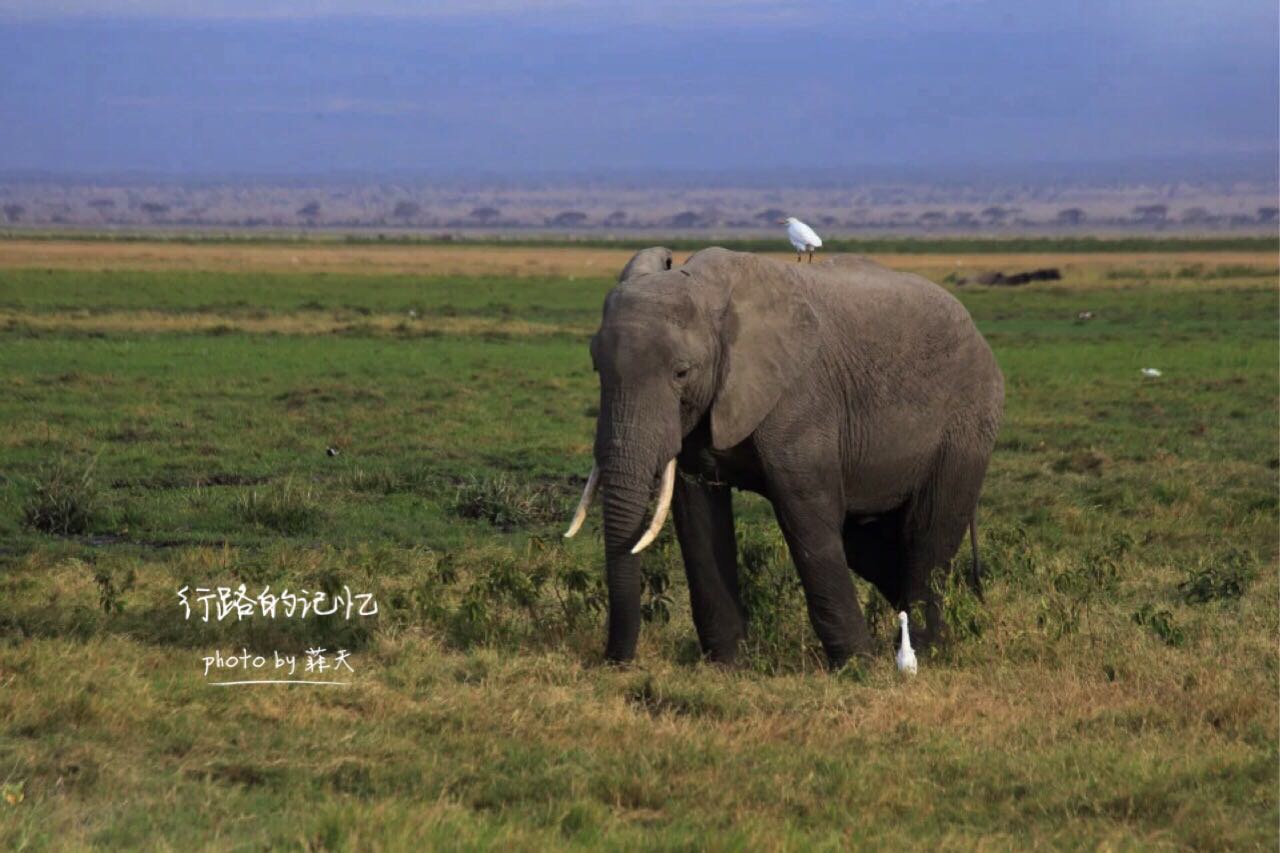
[704, 526]
[811, 524]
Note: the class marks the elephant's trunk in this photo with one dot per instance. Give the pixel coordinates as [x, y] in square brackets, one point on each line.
[626, 504]
[635, 441]
[623, 569]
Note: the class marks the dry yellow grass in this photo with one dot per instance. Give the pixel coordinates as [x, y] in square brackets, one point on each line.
[305, 323]
[516, 260]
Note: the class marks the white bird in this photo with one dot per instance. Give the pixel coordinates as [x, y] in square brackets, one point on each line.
[804, 238]
[1150, 372]
[906, 655]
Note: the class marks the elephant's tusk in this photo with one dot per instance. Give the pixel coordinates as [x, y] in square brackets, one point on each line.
[664, 506]
[580, 514]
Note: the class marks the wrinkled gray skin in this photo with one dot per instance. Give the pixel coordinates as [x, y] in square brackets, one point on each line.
[862, 402]
[656, 259]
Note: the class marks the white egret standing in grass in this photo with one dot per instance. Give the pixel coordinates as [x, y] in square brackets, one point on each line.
[906, 659]
[804, 238]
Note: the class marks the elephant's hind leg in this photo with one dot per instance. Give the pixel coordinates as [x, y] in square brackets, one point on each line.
[891, 556]
[873, 548]
[935, 524]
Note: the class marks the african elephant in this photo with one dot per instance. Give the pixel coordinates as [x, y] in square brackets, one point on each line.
[860, 401]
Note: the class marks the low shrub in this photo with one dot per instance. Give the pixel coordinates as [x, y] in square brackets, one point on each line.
[1074, 586]
[388, 480]
[508, 503]
[1225, 578]
[286, 507]
[778, 632]
[1159, 621]
[966, 617]
[540, 596]
[66, 501]
[112, 585]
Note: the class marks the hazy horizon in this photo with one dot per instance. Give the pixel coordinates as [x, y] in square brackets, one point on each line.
[943, 91]
[1257, 169]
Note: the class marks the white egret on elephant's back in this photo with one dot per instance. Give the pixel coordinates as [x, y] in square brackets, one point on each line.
[802, 237]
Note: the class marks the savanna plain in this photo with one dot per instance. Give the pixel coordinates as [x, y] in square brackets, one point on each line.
[414, 423]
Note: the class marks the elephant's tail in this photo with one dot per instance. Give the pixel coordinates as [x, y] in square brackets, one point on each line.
[975, 570]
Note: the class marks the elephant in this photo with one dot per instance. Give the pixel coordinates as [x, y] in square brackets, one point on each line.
[862, 402]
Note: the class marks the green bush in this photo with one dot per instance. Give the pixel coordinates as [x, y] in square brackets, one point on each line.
[1224, 579]
[965, 615]
[285, 507]
[1006, 551]
[1074, 587]
[540, 596]
[388, 480]
[67, 501]
[655, 582]
[1159, 620]
[778, 631]
[112, 585]
[508, 503]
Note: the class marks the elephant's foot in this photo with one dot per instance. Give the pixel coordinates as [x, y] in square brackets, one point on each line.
[933, 634]
[838, 660]
[854, 645]
[722, 651]
[728, 664]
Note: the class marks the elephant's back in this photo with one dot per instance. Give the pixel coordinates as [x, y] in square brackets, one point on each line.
[862, 294]
[914, 372]
[903, 333]
[910, 333]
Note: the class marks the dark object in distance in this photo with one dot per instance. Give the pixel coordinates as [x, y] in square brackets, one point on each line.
[999, 279]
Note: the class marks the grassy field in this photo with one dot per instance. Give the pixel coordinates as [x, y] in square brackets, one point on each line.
[929, 244]
[167, 412]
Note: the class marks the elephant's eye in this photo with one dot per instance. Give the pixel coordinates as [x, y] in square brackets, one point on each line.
[682, 373]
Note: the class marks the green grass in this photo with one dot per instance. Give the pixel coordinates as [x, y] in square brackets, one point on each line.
[257, 294]
[1117, 690]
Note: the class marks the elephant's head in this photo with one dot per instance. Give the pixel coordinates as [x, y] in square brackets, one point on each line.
[645, 261]
[718, 339]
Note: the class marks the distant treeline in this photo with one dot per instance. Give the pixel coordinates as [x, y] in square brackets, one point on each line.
[861, 245]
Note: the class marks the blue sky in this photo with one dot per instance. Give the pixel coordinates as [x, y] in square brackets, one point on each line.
[289, 87]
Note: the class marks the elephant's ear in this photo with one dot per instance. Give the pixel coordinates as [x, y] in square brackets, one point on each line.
[645, 261]
[768, 337]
